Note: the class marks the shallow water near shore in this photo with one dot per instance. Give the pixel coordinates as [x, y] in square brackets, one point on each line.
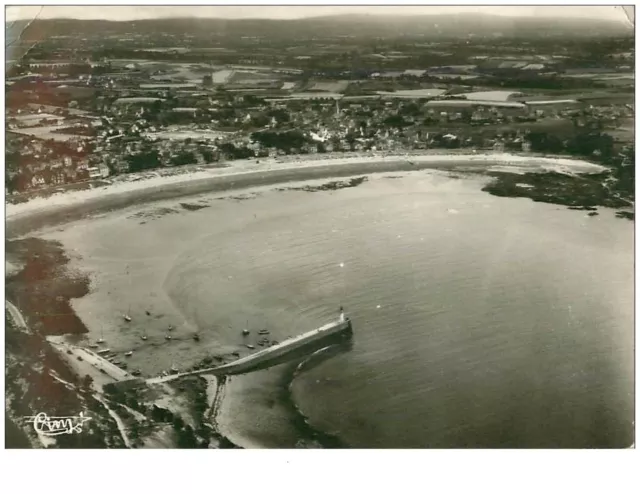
[479, 321]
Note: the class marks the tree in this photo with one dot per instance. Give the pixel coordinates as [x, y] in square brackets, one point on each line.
[280, 115]
[207, 155]
[396, 121]
[178, 423]
[143, 161]
[187, 438]
[260, 120]
[87, 381]
[545, 143]
[184, 158]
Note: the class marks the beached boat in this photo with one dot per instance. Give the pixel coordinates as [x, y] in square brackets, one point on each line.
[129, 353]
[174, 369]
[103, 351]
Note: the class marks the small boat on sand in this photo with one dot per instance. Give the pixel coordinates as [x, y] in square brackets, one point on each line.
[174, 369]
[129, 353]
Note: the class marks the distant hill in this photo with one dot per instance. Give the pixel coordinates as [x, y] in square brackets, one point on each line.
[434, 26]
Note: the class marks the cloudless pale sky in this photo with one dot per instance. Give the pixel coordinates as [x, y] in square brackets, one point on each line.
[128, 12]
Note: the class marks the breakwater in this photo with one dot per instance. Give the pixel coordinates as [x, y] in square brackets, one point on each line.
[268, 356]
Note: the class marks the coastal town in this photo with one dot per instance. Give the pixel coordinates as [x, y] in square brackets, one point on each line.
[99, 113]
[77, 118]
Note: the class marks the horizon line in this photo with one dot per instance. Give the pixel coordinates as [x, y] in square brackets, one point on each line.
[347, 14]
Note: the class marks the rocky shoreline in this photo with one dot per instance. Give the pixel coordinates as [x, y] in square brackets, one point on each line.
[585, 192]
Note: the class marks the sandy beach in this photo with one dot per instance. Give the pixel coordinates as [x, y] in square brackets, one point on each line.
[171, 183]
[135, 279]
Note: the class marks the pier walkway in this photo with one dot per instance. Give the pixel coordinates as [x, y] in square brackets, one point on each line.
[262, 357]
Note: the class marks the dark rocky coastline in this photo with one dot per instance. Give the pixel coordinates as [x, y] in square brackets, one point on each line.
[583, 192]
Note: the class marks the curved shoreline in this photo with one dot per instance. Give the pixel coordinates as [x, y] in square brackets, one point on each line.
[66, 207]
[31, 216]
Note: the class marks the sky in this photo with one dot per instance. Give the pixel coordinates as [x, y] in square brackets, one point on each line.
[129, 12]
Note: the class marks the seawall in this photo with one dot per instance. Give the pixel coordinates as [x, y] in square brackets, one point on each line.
[249, 362]
[268, 356]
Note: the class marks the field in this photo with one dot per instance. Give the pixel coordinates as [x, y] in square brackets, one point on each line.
[413, 93]
[332, 87]
[491, 95]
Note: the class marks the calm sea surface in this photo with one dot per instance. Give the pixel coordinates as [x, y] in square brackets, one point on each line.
[479, 321]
